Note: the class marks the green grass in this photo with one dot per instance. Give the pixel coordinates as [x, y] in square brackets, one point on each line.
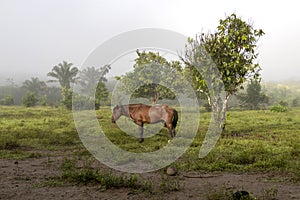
[252, 141]
[227, 193]
[87, 174]
[36, 128]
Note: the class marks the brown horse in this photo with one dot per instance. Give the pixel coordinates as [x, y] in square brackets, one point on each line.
[142, 114]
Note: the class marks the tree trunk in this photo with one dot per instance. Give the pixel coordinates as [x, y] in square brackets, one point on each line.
[216, 126]
[224, 112]
[67, 97]
[154, 98]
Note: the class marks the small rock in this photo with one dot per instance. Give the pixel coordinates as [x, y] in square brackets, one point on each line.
[171, 171]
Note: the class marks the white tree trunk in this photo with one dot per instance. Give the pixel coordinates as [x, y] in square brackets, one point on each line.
[219, 109]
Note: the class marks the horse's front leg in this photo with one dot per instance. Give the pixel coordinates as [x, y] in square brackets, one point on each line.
[141, 130]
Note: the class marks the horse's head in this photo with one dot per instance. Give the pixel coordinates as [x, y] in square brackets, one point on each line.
[117, 112]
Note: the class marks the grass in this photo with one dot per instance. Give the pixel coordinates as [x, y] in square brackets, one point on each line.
[87, 174]
[252, 141]
[73, 171]
[227, 193]
[36, 128]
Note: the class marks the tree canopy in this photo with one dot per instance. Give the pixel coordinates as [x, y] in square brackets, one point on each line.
[91, 77]
[35, 86]
[64, 73]
[153, 77]
[228, 55]
[254, 96]
[218, 64]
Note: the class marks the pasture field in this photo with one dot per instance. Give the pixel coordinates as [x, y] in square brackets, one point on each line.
[254, 143]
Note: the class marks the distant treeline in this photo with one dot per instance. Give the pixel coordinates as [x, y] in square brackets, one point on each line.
[266, 94]
[14, 95]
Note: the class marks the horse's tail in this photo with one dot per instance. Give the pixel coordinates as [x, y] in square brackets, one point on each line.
[175, 118]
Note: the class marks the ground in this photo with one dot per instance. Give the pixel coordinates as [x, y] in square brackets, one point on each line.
[25, 179]
[42, 157]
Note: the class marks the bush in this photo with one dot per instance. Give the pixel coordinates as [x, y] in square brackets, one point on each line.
[9, 142]
[81, 102]
[278, 108]
[207, 107]
[43, 100]
[296, 102]
[7, 101]
[283, 103]
[30, 99]
[87, 174]
[67, 98]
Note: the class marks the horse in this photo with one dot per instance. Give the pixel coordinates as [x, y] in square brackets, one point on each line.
[141, 114]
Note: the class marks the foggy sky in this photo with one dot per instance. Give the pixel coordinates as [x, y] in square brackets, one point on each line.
[36, 35]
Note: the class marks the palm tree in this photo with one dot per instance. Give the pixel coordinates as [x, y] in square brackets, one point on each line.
[64, 73]
[90, 76]
[35, 86]
[92, 82]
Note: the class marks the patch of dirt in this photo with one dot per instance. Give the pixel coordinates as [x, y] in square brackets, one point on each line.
[25, 179]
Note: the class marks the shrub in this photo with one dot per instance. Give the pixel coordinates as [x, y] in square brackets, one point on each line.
[9, 142]
[29, 99]
[43, 100]
[283, 103]
[278, 108]
[7, 101]
[87, 174]
[81, 102]
[296, 102]
[67, 98]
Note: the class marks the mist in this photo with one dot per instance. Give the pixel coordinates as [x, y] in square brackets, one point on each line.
[37, 35]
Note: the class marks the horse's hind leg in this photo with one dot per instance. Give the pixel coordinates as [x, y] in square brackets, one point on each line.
[171, 130]
[141, 130]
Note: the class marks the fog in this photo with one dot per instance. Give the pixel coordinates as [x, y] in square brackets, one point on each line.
[36, 35]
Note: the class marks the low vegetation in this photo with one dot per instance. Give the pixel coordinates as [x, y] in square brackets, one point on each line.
[253, 141]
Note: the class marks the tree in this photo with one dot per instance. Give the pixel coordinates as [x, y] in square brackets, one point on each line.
[64, 73]
[67, 98]
[296, 102]
[10, 89]
[53, 96]
[7, 101]
[92, 83]
[223, 61]
[30, 99]
[35, 86]
[254, 96]
[152, 77]
[90, 76]
[92, 79]
[101, 94]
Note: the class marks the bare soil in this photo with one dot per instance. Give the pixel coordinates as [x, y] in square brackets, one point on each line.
[24, 179]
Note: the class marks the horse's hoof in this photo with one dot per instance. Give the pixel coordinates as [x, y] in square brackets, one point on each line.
[141, 140]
